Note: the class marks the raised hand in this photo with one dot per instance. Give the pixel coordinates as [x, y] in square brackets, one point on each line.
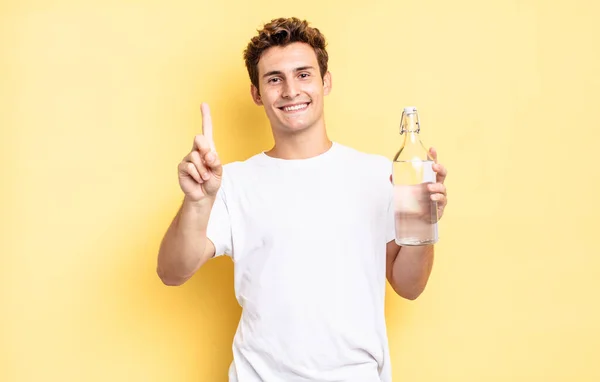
[200, 171]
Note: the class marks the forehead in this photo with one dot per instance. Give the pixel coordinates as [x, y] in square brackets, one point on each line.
[287, 58]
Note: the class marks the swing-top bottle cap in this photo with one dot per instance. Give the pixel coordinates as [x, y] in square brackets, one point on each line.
[410, 110]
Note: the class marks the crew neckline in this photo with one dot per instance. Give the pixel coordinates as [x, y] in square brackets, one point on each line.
[303, 161]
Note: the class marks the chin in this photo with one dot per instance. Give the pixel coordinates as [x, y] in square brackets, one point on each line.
[295, 127]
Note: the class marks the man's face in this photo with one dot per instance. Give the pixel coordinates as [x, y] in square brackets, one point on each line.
[291, 88]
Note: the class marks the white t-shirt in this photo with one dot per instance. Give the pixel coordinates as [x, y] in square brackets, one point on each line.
[308, 240]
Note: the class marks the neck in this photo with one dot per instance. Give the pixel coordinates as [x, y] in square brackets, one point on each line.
[300, 145]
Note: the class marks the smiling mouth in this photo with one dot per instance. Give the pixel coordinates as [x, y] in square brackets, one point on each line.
[295, 108]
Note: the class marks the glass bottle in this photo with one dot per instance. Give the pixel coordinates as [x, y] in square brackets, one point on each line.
[415, 213]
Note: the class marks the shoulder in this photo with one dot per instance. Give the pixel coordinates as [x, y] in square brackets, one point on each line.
[373, 169]
[240, 170]
[372, 161]
[241, 167]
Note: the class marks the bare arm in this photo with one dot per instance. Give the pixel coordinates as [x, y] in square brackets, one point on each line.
[408, 268]
[185, 247]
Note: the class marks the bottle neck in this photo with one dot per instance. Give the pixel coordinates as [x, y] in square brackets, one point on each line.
[411, 147]
[411, 139]
[410, 127]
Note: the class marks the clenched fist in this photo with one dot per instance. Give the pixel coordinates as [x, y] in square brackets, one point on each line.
[200, 171]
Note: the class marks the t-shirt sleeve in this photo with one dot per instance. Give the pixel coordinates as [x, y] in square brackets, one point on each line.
[390, 230]
[219, 226]
[391, 224]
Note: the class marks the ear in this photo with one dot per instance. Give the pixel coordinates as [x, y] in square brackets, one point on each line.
[327, 83]
[255, 95]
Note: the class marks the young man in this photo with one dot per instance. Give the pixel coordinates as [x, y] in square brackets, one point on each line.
[308, 224]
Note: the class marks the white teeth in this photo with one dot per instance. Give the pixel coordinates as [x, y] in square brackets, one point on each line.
[297, 107]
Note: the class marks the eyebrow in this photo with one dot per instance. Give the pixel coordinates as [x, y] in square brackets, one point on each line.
[278, 72]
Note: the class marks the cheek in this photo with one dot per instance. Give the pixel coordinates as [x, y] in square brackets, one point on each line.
[315, 92]
[271, 98]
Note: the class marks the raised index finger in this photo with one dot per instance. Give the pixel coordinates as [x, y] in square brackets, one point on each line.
[207, 128]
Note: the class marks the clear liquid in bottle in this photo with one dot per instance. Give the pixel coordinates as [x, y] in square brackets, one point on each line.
[415, 213]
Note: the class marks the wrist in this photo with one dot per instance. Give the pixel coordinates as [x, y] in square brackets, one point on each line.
[198, 205]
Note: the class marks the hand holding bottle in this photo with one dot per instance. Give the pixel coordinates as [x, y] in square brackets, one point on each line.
[417, 197]
[438, 189]
[200, 171]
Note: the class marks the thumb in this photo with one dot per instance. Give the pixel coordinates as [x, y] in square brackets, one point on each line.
[214, 163]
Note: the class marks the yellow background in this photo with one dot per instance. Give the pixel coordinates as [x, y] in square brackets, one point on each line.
[99, 101]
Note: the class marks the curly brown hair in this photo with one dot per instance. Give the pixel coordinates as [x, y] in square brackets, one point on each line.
[281, 32]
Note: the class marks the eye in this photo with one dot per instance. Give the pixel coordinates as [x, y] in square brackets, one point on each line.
[304, 75]
[274, 80]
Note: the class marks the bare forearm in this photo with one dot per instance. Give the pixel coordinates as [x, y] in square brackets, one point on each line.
[411, 270]
[183, 248]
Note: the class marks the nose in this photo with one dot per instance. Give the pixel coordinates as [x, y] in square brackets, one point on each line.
[290, 90]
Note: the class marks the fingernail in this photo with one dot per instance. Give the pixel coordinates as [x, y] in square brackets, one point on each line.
[210, 157]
